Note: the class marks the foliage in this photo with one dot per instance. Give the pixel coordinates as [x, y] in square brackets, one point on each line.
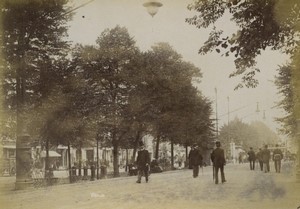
[33, 45]
[283, 82]
[177, 111]
[246, 135]
[260, 24]
[106, 70]
[131, 94]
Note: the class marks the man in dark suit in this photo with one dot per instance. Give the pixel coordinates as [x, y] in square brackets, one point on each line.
[218, 159]
[260, 159]
[143, 162]
[251, 158]
[266, 155]
[195, 160]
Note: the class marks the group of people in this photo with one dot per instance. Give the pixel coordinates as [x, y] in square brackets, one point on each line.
[263, 156]
[218, 159]
[195, 161]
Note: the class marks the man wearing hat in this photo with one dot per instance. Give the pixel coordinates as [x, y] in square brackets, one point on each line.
[251, 158]
[195, 159]
[143, 162]
[277, 157]
[218, 159]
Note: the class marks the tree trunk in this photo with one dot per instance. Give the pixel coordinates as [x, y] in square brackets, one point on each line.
[79, 161]
[98, 159]
[116, 161]
[69, 162]
[115, 155]
[136, 143]
[47, 159]
[172, 155]
[157, 147]
[126, 160]
[186, 152]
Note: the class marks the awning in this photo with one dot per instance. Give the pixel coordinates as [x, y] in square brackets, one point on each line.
[62, 147]
[9, 146]
[51, 154]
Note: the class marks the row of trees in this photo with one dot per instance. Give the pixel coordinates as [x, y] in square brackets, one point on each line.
[110, 92]
[255, 135]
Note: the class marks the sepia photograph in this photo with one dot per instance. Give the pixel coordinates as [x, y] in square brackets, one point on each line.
[140, 104]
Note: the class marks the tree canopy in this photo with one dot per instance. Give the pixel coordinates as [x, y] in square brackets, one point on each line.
[246, 135]
[263, 24]
[272, 24]
[284, 85]
[33, 46]
[132, 93]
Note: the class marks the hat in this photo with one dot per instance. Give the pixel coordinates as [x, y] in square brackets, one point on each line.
[195, 145]
[141, 144]
[218, 143]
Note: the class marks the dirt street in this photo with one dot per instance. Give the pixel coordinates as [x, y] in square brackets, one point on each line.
[244, 189]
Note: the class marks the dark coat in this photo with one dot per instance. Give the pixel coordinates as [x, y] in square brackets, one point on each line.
[195, 157]
[259, 156]
[266, 155]
[143, 158]
[277, 152]
[218, 157]
[251, 155]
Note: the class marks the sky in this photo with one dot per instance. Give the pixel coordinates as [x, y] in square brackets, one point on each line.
[169, 25]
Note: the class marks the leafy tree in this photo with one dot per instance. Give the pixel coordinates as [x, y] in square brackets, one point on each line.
[32, 41]
[107, 70]
[261, 24]
[253, 135]
[33, 46]
[240, 133]
[284, 85]
[177, 112]
[265, 134]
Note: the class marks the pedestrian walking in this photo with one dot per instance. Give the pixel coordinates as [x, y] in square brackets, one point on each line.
[195, 160]
[143, 162]
[218, 159]
[260, 159]
[251, 158]
[266, 155]
[277, 157]
[240, 158]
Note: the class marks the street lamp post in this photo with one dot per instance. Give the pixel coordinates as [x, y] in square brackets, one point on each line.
[217, 128]
[23, 162]
[228, 110]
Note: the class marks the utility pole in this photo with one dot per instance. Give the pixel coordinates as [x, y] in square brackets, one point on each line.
[228, 110]
[257, 108]
[217, 128]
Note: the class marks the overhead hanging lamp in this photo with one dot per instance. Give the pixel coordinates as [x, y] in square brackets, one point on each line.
[152, 7]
